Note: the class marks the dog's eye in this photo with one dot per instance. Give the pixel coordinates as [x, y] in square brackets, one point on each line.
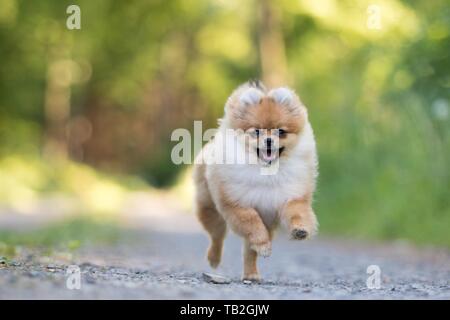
[282, 132]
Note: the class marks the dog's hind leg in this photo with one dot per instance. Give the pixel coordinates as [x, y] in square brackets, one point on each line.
[209, 217]
[213, 222]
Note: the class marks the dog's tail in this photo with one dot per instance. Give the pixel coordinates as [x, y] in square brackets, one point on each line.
[256, 83]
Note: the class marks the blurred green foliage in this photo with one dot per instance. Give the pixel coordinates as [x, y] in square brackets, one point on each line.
[378, 99]
[26, 179]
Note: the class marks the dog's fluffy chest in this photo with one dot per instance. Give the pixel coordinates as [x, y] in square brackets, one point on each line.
[266, 193]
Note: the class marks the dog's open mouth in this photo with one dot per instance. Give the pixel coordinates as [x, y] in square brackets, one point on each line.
[269, 155]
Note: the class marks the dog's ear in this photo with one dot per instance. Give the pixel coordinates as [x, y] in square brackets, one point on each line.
[241, 98]
[286, 97]
[250, 96]
[282, 96]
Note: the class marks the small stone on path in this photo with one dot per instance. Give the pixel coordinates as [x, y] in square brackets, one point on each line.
[214, 278]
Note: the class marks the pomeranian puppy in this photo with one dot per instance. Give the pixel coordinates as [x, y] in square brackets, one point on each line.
[269, 130]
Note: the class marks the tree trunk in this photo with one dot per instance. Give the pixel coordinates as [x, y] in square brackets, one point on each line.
[57, 108]
[271, 45]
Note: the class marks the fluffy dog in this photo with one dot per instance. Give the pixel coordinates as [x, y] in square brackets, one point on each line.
[270, 130]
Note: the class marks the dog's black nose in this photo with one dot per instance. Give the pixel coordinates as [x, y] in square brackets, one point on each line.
[268, 142]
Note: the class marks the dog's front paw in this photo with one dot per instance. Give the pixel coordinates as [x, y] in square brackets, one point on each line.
[302, 231]
[262, 249]
[252, 277]
[299, 234]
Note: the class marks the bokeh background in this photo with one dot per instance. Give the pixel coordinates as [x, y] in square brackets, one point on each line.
[86, 115]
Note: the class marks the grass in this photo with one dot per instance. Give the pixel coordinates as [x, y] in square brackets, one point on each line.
[67, 235]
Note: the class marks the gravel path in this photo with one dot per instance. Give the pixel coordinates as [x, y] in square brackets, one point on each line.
[168, 264]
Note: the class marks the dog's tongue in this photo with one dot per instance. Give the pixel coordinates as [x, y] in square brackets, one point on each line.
[269, 155]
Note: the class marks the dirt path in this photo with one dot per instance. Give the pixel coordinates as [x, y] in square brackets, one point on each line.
[167, 261]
